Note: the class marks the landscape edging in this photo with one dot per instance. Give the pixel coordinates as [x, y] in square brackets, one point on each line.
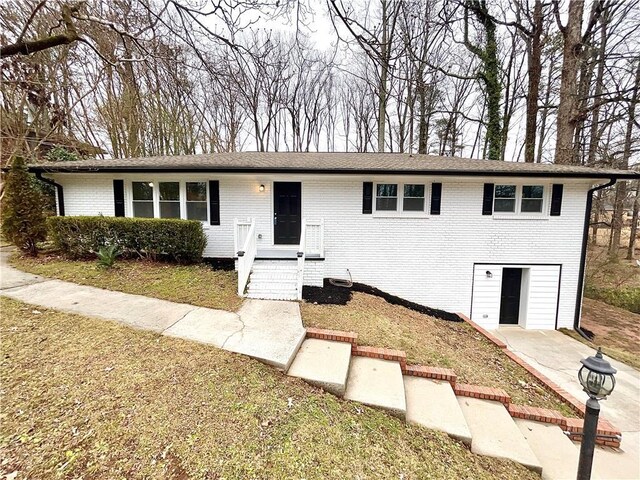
[571, 426]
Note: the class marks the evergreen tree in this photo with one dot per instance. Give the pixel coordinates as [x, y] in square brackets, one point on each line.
[23, 218]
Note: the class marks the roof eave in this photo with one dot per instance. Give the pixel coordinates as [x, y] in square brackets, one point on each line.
[432, 172]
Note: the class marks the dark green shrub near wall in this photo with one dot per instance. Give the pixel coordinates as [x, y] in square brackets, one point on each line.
[169, 239]
[625, 297]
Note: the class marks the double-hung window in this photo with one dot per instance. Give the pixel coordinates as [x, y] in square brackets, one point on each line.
[518, 199]
[400, 198]
[143, 199]
[197, 201]
[170, 199]
[413, 200]
[387, 197]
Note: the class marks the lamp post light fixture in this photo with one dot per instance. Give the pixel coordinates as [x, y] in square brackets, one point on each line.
[597, 380]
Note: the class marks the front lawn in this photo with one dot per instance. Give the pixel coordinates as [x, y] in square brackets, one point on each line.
[87, 398]
[433, 342]
[193, 284]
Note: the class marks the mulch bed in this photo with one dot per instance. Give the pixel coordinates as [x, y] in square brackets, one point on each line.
[330, 294]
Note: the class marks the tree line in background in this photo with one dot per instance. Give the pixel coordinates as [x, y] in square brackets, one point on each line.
[528, 80]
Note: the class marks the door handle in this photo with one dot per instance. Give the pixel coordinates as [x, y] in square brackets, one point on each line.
[275, 219]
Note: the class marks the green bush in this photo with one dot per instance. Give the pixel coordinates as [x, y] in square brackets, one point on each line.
[627, 298]
[168, 239]
[23, 217]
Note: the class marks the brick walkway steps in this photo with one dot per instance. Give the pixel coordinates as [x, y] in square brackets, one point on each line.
[432, 404]
[495, 434]
[557, 454]
[273, 280]
[377, 383]
[323, 363]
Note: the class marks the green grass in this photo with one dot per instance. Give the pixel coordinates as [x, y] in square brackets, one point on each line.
[193, 284]
[86, 398]
[433, 342]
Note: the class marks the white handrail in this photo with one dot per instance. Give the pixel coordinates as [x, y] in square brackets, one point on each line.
[246, 256]
[301, 257]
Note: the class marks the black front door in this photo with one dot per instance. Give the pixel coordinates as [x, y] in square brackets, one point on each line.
[510, 296]
[286, 213]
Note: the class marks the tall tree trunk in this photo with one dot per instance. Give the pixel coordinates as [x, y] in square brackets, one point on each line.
[384, 73]
[631, 250]
[621, 192]
[534, 56]
[567, 108]
[594, 135]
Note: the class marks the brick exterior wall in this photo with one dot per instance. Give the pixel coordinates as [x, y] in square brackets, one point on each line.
[427, 259]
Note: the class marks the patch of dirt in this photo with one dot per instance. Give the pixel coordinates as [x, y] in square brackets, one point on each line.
[615, 329]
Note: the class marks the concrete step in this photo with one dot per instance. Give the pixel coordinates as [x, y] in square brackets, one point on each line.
[377, 383]
[495, 434]
[262, 288]
[274, 275]
[275, 265]
[272, 296]
[432, 404]
[323, 363]
[557, 454]
[261, 283]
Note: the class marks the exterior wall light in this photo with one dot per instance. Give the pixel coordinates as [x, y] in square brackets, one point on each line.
[261, 187]
[489, 274]
[597, 379]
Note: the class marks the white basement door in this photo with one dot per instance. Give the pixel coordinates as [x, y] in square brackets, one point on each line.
[518, 295]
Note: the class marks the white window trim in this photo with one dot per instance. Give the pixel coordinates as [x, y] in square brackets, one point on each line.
[399, 212]
[518, 214]
[156, 196]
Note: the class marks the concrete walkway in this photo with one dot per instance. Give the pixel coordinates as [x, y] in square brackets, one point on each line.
[558, 356]
[270, 331]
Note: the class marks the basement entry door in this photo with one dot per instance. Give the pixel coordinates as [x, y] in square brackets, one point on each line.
[510, 294]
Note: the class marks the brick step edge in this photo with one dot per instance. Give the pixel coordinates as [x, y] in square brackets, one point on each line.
[434, 373]
[483, 393]
[575, 404]
[383, 354]
[613, 435]
[334, 335]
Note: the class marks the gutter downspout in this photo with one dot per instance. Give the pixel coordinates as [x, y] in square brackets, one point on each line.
[583, 257]
[59, 191]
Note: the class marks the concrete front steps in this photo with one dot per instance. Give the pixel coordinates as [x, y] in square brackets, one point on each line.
[483, 418]
[273, 280]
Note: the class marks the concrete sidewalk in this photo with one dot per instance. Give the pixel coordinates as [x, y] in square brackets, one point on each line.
[270, 331]
[558, 356]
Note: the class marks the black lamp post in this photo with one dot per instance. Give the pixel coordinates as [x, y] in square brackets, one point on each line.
[596, 378]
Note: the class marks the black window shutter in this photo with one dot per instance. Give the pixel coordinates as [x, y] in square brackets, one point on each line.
[118, 198]
[367, 197]
[436, 196]
[214, 202]
[556, 199]
[487, 200]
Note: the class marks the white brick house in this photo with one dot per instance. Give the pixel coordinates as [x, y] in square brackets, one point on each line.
[502, 242]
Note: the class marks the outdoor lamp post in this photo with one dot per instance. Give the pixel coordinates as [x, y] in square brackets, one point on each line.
[596, 378]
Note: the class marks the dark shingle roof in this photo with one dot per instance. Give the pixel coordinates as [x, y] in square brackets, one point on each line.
[331, 163]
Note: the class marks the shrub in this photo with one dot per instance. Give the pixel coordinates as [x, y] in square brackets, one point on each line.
[168, 239]
[23, 217]
[627, 298]
[107, 255]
